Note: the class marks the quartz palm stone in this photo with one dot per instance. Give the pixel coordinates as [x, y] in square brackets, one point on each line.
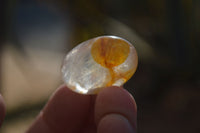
[99, 62]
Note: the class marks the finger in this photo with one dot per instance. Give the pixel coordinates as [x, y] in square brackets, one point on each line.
[114, 123]
[2, 110]
[66, 111]
[115, 106]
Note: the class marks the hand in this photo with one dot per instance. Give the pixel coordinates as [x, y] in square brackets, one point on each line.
[113, 110]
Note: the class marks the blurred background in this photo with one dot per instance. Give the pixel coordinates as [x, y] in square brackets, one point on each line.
[35, 35]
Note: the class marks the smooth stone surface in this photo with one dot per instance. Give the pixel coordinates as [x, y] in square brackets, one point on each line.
[99, 62]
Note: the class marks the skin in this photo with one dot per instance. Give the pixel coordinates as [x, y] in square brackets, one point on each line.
[112, 110]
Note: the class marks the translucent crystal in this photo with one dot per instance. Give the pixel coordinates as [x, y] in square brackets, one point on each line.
[99, 62]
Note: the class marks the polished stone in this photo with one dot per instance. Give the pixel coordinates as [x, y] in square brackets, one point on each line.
[99, 62]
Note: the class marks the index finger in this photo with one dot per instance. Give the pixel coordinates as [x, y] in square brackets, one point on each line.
[115, 111]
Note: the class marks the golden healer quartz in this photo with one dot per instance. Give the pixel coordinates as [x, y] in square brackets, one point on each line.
[99, 62]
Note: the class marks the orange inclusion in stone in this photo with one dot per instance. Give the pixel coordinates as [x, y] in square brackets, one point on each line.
[110, 52]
